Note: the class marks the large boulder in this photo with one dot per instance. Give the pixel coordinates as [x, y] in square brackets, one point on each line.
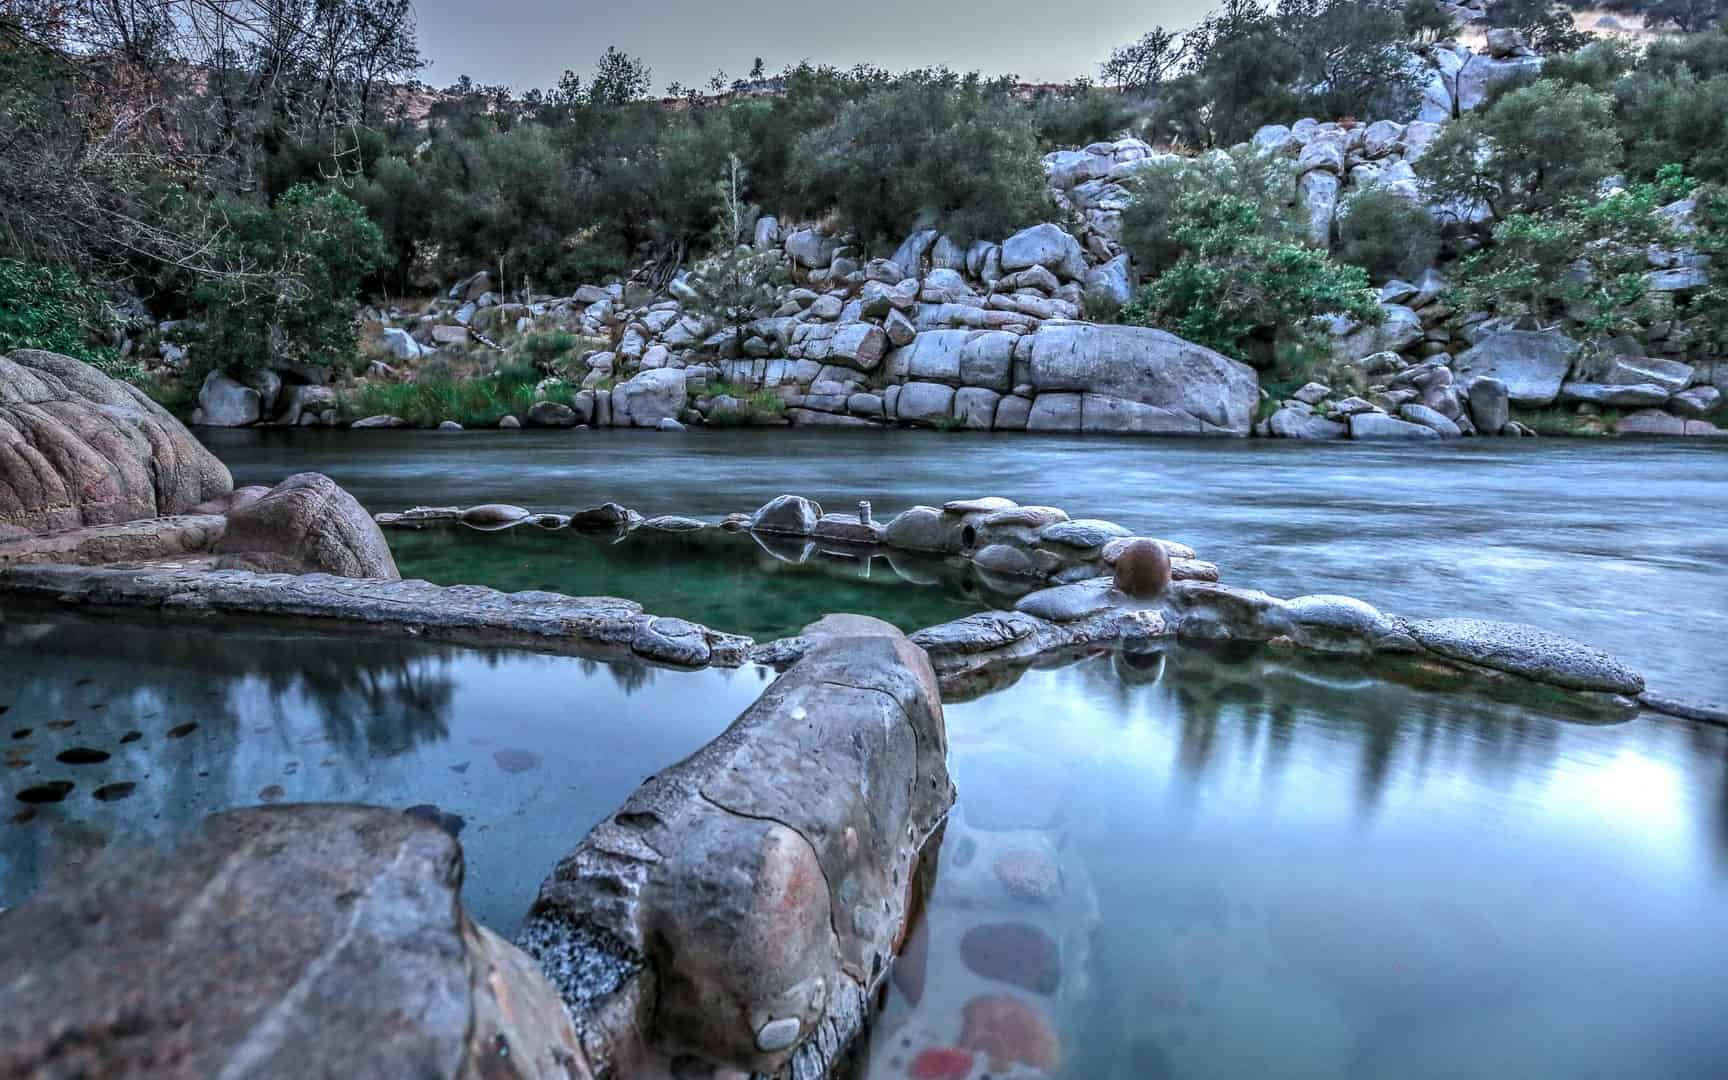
[743, 907]
[1490, 405]
[310, 940]
[1318, 191]
[225, 402]
[1480, 74]
[957, 357]
[1139, 379]
[1532, 363]
[1110, 284]
[79, 448]
[306, 524]
[1047, 245]
[648, 397]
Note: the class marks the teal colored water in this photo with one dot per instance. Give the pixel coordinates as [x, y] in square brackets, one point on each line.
[529, 751]
[1225, 866]
[732, 582]
[1274, 870]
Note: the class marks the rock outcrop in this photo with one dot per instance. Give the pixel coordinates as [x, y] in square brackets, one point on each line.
[719, 922]
[307, 524]
[276, 941]
[80, 448]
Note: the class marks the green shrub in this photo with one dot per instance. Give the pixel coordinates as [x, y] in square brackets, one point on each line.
[1586, 259]
[1154, 226]
[1386, 234]
[292, 286]
[480, 401]
[1239, 287]
[52, 308]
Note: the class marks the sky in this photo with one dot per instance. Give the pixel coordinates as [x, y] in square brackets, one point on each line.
[529, 43]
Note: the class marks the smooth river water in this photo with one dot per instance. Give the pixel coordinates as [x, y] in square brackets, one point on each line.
[1620, 544]
[1198, 864]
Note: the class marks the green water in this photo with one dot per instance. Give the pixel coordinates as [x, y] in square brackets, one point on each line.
[732, 582]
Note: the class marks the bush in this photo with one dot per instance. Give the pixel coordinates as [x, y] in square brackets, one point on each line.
[1386, 234]
[1532, 150]
[1585, 260]
[473, 402]
[1079, 114]
[52, 308]
[1154, 224]
[1239, 288]
[293, 283]
[545, 350]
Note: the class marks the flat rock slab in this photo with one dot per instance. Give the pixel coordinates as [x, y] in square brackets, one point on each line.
[602, 627]
[1529, 652]
[280, 941]
[131, 541]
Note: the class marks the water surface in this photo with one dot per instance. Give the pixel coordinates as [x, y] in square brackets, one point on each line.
[155, 725]
[1619, 543]
[1285, 871]
[765, 587]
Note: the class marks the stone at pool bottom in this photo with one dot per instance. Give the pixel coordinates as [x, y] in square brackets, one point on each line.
[298, 940]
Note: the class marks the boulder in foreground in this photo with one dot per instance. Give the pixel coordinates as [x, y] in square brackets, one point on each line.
[276, 941]
[727, 921]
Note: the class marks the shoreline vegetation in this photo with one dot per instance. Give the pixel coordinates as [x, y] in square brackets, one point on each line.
[1546, 176]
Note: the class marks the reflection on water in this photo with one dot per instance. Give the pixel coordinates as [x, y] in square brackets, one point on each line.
[129, 731]
[1207, 867]
[762, 586]
[1617, 543]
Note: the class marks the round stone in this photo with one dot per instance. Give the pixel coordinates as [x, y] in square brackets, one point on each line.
[1143, 569]
[777, 1035]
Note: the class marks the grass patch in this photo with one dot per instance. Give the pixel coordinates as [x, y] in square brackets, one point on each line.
[480, 401]
[1561, 420]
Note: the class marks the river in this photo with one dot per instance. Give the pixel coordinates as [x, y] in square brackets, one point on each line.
[1198, 863]
[1620, 544]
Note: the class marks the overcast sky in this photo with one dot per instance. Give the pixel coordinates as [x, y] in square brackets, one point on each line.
[528, 43]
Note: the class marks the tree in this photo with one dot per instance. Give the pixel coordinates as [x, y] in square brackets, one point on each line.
[954, 150]
[1546, 24]
[1146, 63]
[1531, 150]
[619, 79]
[1246, 63]
[1687, 16]
[1356, 61]
[294, 302]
